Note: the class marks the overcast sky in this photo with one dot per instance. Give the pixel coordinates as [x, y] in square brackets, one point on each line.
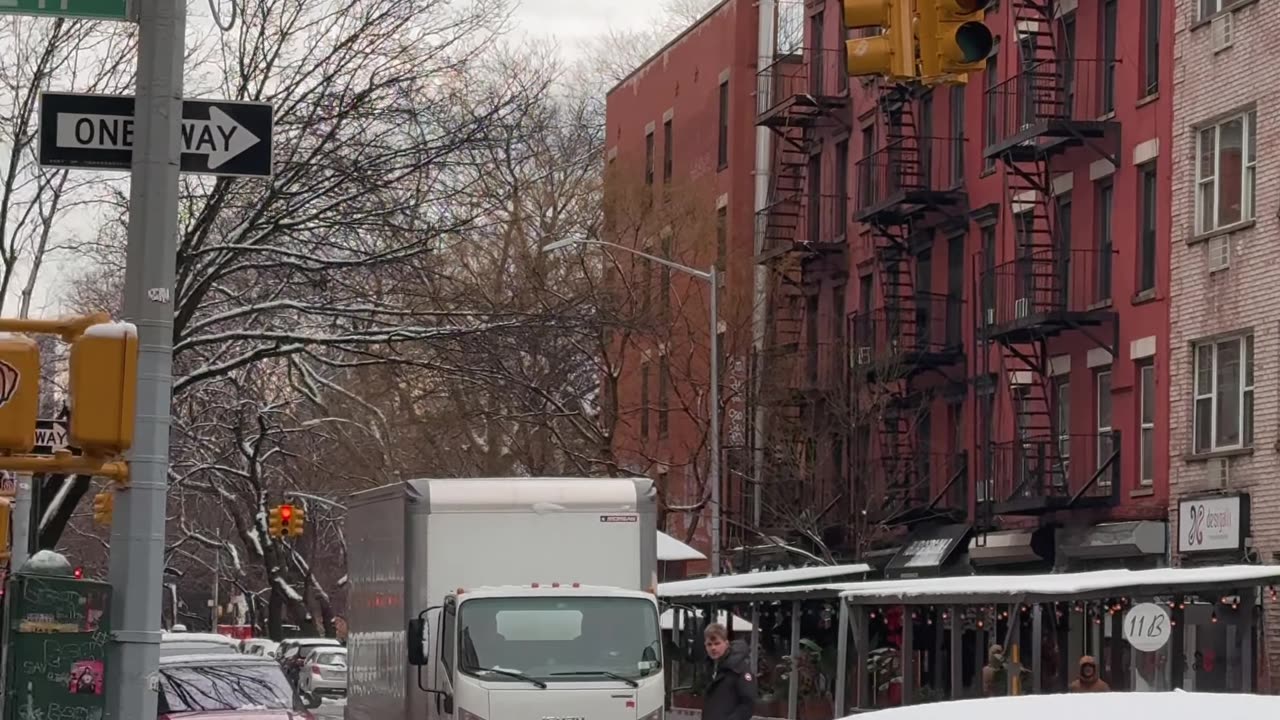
[573, 21]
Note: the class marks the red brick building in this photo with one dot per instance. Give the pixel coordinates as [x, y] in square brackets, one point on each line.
[966, 348]
[680, 133]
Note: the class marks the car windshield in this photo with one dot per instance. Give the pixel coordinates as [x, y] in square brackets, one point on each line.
[331, 658]
[558, 638]
[223, 686]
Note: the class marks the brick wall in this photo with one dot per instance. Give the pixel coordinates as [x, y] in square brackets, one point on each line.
[1208, 84]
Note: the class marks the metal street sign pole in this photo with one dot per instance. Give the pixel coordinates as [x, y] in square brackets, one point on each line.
[21, 520]
[137, 533]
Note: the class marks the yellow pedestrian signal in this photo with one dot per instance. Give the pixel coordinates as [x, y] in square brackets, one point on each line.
[275, 524]
[299, 518]
[19, 392]
[892, 52]
[103, 382]
[953, 38]
[103, 505]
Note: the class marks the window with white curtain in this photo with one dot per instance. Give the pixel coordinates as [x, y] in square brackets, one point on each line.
[1223, 394]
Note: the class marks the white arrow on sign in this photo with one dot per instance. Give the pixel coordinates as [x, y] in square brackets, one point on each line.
[220, 137]
[55, 437]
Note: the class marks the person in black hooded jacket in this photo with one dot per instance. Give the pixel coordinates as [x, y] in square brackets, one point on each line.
[731, 692]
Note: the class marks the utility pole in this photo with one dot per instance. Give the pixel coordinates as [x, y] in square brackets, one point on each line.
[137, 530]
[717, 482]
[20, 517]
[217, 575]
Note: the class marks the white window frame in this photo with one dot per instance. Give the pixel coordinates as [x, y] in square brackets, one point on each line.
[1146, 426]
[1221, 6]
[1208, 222]
[1103, 430]
[1210, 395]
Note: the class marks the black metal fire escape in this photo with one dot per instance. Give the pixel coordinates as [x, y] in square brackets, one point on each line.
[1045, 113]
[906, 186]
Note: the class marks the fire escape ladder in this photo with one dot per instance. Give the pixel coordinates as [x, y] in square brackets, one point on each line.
[1033, 20]
[902, 138]
[1040, 468]
[783, 216]
[898, 455]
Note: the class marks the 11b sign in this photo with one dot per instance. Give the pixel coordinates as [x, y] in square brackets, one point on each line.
[219, 137]
[1147, 627]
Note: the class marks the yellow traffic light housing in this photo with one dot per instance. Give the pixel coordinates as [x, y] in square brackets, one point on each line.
[103, 384]
[299, 519]
[19, 392]
[953, 38]
[275, 524]
[892, 52]
[103, 506]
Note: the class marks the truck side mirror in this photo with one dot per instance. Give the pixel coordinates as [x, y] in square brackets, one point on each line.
[417, 641]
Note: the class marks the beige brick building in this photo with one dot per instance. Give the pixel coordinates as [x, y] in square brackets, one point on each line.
[1225, 303]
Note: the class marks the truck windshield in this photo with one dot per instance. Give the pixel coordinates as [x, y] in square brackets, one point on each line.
[564, 639]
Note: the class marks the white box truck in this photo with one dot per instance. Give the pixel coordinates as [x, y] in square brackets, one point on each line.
[504, 599]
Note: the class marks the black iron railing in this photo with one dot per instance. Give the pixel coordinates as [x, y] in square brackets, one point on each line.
[925, 327]
[1045, 282]
[805, 72]
[907, 171]
[1052, 469]
[1048, 92]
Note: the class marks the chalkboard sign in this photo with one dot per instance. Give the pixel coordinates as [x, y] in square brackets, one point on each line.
[58, 629]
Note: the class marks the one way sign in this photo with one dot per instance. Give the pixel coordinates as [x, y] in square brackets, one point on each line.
[219, 137]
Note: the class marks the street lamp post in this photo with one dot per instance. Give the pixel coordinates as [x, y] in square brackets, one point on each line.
[712, 276]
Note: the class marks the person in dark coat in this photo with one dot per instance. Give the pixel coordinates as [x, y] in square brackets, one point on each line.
[731, 693]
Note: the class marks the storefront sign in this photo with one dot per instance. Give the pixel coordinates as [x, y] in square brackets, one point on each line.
[1212, 524]
[1147, 627]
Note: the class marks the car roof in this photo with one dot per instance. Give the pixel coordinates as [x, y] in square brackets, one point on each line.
[194, 659]
[186, 637]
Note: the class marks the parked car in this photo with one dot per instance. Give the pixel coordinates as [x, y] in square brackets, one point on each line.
[324, 674]
[262, 647]
[185, 643]
[293, 653]
[225, 687]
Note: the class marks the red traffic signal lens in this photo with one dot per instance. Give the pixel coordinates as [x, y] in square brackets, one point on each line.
[286, 513]
[79, 573]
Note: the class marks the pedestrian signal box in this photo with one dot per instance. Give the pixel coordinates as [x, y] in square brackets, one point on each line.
[19, 392]
[103, 384]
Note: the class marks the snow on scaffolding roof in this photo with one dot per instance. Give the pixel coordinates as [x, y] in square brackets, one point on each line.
[1039, 588]
[725, 585]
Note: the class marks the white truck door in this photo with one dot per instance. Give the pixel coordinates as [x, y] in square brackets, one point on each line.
[446, 662]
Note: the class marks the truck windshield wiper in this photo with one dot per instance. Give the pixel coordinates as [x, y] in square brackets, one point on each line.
[606, 673]
[508, 673]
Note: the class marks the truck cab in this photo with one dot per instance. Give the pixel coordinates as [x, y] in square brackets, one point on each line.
[540, 652]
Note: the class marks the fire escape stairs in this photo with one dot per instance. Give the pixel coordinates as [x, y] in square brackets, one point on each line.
[1041, 278]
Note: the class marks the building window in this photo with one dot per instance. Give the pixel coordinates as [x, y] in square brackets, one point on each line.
[988, 233]
[926, 142]
[664, 396]
[992, 76]
[722, 151]
[1147, 420]
[1147, 197]
[1213, 7]
[722, 236]
[1151, 47]
[644, 401]
[1062, 400]
[1106, 443]
[1067, 57]
[666, 153]
[867, 175]
[957, 134]
[648, 158]
[1227, 156]
[842, 188]
[1103, 209]
[1224, 394]
[1063, 208]
[1109, 20]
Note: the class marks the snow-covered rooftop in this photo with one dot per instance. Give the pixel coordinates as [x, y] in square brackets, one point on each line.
[725, 584]
[1175, 705]
[672, 550]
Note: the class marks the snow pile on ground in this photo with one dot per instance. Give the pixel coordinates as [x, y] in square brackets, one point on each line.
[1165, 705]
